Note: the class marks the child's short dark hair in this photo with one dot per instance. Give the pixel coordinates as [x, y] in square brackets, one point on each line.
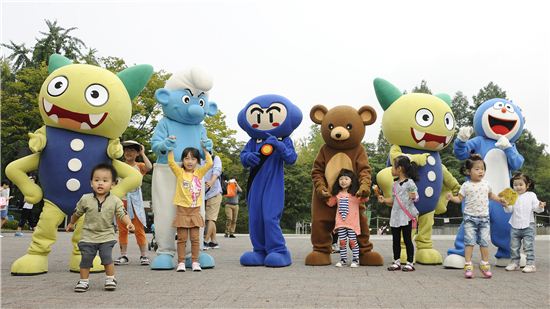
[104, 166]
[5, 182]
[410, 168]
[469, 163]
[132, 146]
[528, 182]
[354, 182]
[194, 153]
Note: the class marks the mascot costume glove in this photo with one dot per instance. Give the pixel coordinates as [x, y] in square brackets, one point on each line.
[85, 109]
[503, 143]
[464, 133]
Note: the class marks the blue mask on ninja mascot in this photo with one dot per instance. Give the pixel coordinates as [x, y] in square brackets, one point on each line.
[498, 123]
[268, 120]
[184, 112]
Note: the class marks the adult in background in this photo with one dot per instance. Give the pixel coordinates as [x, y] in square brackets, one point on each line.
[26, 216]
[232, 209]
[213, 197]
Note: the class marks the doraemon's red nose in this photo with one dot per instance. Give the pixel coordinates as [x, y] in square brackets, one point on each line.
[503, 110]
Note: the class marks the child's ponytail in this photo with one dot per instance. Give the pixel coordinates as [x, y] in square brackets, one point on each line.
[410, 168]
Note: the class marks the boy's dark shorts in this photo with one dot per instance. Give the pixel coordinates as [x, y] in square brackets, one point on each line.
[90, 249]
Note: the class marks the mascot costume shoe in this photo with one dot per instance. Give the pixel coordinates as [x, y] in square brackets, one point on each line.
[185, 104]
[419, 125]
[342, 129]
[85, 109]
[498, 123]
[268, 120]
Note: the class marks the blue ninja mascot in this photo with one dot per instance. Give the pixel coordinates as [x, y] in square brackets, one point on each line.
[268, 120]
[185, 103]
[85, 109]
[498, 123]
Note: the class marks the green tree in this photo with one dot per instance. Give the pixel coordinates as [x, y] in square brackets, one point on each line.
[19, 55]
[461, 110]
[57, 40]
[90, 57]
[423, 88]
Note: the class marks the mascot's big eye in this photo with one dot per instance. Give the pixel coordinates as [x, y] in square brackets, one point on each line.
[498, 105]
[330, 126]
[96, 95]
[349, 126]
[424, 117]
[509, 108]
[57, 86]
[201, 102]
[185, 99]
[449, 121]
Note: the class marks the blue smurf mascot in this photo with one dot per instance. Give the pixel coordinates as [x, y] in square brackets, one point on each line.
[498, 123]
[185, 103]
[268, 120]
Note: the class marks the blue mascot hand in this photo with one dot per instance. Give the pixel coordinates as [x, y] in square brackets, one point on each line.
[278, 145]
[169, 144]
[207, 144]
[252, 159]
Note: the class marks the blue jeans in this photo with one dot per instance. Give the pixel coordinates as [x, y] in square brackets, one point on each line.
[528, 236]
[476, 230]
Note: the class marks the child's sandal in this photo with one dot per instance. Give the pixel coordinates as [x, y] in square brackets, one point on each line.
[394, 266]
[408, 267]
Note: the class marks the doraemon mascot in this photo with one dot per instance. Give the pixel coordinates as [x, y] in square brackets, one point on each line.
[185, 103]
[85, 109]
[268, 120]
[419, 125]
[498, 123]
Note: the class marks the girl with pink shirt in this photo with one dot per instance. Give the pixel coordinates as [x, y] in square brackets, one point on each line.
[347, 215]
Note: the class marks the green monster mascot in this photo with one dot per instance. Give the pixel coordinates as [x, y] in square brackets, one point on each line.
[85, 109]
[419, 125]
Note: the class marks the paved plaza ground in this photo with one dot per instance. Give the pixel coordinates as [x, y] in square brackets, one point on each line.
[230, 285]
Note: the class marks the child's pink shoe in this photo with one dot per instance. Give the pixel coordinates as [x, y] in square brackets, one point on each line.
[468, 271]
[486, 270]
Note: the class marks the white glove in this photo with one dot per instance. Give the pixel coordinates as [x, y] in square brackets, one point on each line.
[503, 142]
[465, 133]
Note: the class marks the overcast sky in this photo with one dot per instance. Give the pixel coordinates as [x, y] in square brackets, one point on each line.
[318, 52]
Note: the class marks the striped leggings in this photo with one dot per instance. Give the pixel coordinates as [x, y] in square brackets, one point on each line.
[343, 235]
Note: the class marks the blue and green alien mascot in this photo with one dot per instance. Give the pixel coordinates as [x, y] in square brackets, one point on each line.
[419, 125]
[185, 104]
[498, 124]
[269, 120]
[85, 110]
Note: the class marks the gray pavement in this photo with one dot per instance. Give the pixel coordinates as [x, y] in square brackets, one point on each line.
[230, 285]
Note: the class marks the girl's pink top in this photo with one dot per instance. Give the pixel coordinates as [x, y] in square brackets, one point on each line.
[352, 219]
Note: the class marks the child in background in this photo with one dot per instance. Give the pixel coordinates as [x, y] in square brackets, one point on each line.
[188, 200]
[347, 215]
[523, 222]
[476, 192]
[134, 205]
[232, 210]
[4, 202]
[100, 208]
[26, 216]
[403, 212]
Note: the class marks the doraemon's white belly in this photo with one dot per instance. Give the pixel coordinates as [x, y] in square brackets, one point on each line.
[497, 173]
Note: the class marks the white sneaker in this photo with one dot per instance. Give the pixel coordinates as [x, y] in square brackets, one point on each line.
[340, 264]
[354, 264]
[181, 267]
[529, 269]
[512, 266]
[196, 266]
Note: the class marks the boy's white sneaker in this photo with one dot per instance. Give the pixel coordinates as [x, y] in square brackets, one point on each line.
[529, 269]
[512, 267]
[181, 267]
[196, 266]
[354, 264]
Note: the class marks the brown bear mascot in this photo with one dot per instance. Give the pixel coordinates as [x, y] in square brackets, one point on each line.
[342, 128]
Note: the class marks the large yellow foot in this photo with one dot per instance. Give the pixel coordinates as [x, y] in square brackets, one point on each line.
[428, 257]
[29, 265]
[74, 264]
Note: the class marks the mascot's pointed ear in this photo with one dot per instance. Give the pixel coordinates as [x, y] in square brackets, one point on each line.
[212, 109]
[162, 96]
[367, 114]
[445, 97]
[385, 92]
[56, 61]
[317, 113]
[135, 78]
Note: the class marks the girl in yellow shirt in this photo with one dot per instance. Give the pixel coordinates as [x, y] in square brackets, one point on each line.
[188, 200]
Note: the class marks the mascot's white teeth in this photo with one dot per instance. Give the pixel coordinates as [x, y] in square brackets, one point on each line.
[47, 106]
[422, 144]
[54, 117]
[85, 126]
[95, 118]
[419, 136]
[448, 139]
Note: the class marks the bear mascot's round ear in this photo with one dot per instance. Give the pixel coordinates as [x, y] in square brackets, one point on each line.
[367, 114]
[318, 113]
